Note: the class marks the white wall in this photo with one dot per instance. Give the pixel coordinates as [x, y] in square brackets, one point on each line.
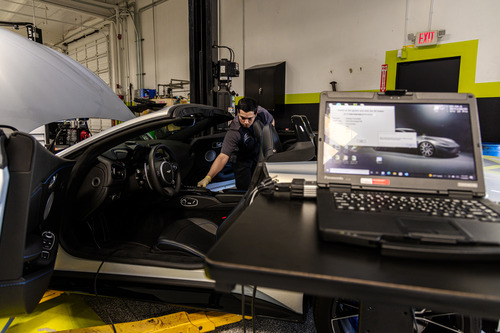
[346, 40]
[165, 48]
[321, 40]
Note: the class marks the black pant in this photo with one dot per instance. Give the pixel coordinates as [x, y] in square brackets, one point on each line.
[243, 171]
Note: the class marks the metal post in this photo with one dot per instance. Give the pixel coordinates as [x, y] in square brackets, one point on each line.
[202, 36]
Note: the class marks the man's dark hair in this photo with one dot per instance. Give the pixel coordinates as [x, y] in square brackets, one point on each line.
[247, 104]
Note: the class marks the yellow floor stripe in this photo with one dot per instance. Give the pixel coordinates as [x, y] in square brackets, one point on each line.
[495, 159]
[173, 323]
[70, 313]
[50, 294]
[492, 169]
[55, 313]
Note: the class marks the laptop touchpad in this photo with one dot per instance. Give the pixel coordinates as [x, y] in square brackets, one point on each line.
[432, 230]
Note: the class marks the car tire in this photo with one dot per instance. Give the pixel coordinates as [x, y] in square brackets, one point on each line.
[326, 309]
[450, 322]
[426, 149]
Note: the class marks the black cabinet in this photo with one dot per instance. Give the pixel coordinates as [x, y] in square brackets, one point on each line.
[266, 83]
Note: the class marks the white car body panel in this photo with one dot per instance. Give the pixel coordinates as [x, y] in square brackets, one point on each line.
[54, 87]
[4, 185]
[69, 263]
[66, 262]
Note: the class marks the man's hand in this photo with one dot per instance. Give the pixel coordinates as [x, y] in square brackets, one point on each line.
[204, 182]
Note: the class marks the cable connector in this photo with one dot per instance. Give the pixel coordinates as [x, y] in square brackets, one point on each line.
[265, 187]
[282, 187]
[300, 188]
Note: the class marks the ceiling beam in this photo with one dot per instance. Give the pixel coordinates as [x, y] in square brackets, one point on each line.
[85, 7]
[44, 18]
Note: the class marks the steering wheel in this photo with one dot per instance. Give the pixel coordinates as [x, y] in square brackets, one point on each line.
[163, 173]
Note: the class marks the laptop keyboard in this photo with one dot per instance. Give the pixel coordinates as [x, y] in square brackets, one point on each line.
[431, 206]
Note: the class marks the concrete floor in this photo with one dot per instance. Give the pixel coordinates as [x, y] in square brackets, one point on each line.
[69, 311]
[119, 310]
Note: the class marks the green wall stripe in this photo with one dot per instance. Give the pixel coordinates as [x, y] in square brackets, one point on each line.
[467, 51]
[309, 98]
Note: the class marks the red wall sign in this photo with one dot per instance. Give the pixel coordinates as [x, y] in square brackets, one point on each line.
[383, 78]
[426, 38]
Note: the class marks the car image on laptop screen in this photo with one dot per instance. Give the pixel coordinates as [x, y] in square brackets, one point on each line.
[403, 140]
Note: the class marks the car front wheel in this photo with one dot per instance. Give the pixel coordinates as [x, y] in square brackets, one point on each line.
[335, 315]
[338, 315]
[427, 149]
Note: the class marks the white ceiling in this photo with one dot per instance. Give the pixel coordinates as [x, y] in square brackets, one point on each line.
[58, 19]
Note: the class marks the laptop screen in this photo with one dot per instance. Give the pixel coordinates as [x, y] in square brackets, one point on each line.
[374, 142]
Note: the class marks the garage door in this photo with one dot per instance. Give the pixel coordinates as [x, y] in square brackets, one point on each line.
[93, 53]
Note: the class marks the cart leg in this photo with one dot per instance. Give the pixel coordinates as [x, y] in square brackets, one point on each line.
[382, 318]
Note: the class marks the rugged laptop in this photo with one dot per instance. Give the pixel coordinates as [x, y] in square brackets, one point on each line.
[403, 172]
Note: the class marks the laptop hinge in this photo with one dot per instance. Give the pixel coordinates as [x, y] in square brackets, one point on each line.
[340, 187]
[461, 194]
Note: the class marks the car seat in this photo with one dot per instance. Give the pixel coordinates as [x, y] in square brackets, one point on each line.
[303, 129]
[272, 149]
[196, 236]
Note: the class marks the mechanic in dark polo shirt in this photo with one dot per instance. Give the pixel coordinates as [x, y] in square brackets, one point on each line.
[241, 135]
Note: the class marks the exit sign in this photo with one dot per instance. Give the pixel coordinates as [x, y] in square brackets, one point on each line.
[426, 38]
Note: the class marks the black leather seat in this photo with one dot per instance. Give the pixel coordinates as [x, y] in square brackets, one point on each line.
[195, 236]
[272, 149]
[271, 143]
[303, 129]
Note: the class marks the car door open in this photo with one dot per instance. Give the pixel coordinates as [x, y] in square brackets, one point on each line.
[34, 180]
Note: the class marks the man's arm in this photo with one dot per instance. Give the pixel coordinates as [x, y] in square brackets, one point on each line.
[216, 167]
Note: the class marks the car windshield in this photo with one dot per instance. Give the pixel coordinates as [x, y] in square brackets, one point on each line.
[170, 129]
[165, 132]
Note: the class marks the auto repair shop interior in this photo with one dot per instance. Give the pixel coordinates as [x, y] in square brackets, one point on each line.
[173, 73]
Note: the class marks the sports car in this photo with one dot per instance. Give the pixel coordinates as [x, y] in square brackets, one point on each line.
[119, 213]
[428, 146]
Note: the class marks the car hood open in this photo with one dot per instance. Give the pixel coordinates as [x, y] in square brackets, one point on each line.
[39, 85]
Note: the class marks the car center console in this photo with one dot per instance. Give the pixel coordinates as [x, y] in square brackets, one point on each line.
[200, 198]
